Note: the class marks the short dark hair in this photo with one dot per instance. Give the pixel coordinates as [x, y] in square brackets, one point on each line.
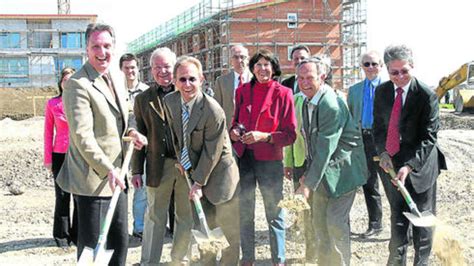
[95, 27]
[64, 72]
[269, 56]
[299, 47]
[127, 57]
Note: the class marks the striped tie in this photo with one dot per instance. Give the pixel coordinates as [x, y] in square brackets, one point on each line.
[185, 162]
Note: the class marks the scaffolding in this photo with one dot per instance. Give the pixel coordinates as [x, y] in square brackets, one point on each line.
[209, 29]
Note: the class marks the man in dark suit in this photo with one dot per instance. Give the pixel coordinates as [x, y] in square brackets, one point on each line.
[162, 178]
[225, 86]
[360, 102]
[202, 143]
[406, 123]
[298, 54]
[95, 103]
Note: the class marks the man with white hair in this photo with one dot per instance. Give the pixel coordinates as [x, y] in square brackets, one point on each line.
[361, 104]
[226, 85]
[162, 178]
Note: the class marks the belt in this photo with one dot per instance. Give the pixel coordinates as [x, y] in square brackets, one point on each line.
[366, 131]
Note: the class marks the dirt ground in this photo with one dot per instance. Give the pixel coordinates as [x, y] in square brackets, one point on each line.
[26, 224]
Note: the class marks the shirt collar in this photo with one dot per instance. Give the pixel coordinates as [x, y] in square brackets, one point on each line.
[315, 100]
[405, 88]
[375, 82]
[190, 104]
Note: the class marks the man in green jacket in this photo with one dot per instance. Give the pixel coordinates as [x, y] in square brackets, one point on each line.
[336, 164]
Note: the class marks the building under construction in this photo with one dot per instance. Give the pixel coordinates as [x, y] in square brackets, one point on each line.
[35, 48]
[335, 28]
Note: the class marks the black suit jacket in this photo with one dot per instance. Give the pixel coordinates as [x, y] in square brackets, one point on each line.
[418, 126]
[290, 83]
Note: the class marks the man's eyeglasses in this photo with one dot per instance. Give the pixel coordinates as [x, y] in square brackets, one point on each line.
[367, 64]
[397, 72]
[191, 79]
[242, 57]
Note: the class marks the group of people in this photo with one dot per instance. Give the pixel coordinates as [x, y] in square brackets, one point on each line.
[252, 130]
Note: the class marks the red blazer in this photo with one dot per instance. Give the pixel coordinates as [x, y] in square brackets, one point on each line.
[277, 116]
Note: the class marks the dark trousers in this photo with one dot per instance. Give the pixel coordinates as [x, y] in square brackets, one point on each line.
[225, 216]
[422, 236]
[269, 177]
[371, 188]
[63, 227]
[91, 215]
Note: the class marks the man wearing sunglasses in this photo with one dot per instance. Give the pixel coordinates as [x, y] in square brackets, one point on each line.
[162, 178]
[361, 103]
[406, 123]
[204, 150]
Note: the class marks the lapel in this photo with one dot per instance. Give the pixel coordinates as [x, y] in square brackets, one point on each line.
[156, 104]
[99, 84]
[196, 113]
[268, 98]
[174, 105]
[410, 100]
[359, 99]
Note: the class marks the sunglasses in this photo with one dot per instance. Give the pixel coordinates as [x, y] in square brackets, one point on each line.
[191, 79]
[367, 64]
[396, 72]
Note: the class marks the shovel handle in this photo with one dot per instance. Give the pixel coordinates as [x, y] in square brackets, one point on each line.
[104, 230]
[405, 193]
[198, 207]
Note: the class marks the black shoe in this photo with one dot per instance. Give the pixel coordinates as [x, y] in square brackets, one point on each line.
[138, 236]
[371, 232]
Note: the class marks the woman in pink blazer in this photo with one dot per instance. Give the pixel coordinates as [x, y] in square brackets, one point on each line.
[56, 141]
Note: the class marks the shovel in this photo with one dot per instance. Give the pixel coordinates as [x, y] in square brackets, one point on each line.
[99, 255]
[417, 218]
[207, 239]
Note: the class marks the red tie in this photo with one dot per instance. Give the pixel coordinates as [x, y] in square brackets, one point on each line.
[392, 144]
[241, 80]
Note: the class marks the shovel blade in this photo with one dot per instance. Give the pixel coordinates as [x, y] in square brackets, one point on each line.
[101, 259]
[427, 219]
[215, 235]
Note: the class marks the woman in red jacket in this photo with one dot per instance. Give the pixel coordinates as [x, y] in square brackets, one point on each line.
[56, 142]
[264, 122]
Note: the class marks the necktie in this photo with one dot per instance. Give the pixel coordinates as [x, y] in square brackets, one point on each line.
[109, 84]
[241, 80]
[392, 144]
[185, 162]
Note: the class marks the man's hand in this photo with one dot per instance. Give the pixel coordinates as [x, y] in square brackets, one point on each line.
[114, 180]
[137, 181]
[254, 136]
[288, 171]
[138, 139]
[385, 162]
[303, 190]
[195, 191]
[402, 174]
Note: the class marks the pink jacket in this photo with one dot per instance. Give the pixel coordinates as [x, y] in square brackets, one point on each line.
[55, 129]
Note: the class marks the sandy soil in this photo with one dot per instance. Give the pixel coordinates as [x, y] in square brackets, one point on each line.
[26, 224]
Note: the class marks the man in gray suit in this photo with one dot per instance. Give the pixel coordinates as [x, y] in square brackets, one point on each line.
[205, 147]
[96, 107]
[226, 85]
[336, 163]
[162, 177]
[361, 105]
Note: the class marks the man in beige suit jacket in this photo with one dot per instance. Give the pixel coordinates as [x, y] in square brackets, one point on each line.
[213, 168]
[225, 86]
[97, 111]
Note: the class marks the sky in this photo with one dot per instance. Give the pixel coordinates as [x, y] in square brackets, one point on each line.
[439, 32]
